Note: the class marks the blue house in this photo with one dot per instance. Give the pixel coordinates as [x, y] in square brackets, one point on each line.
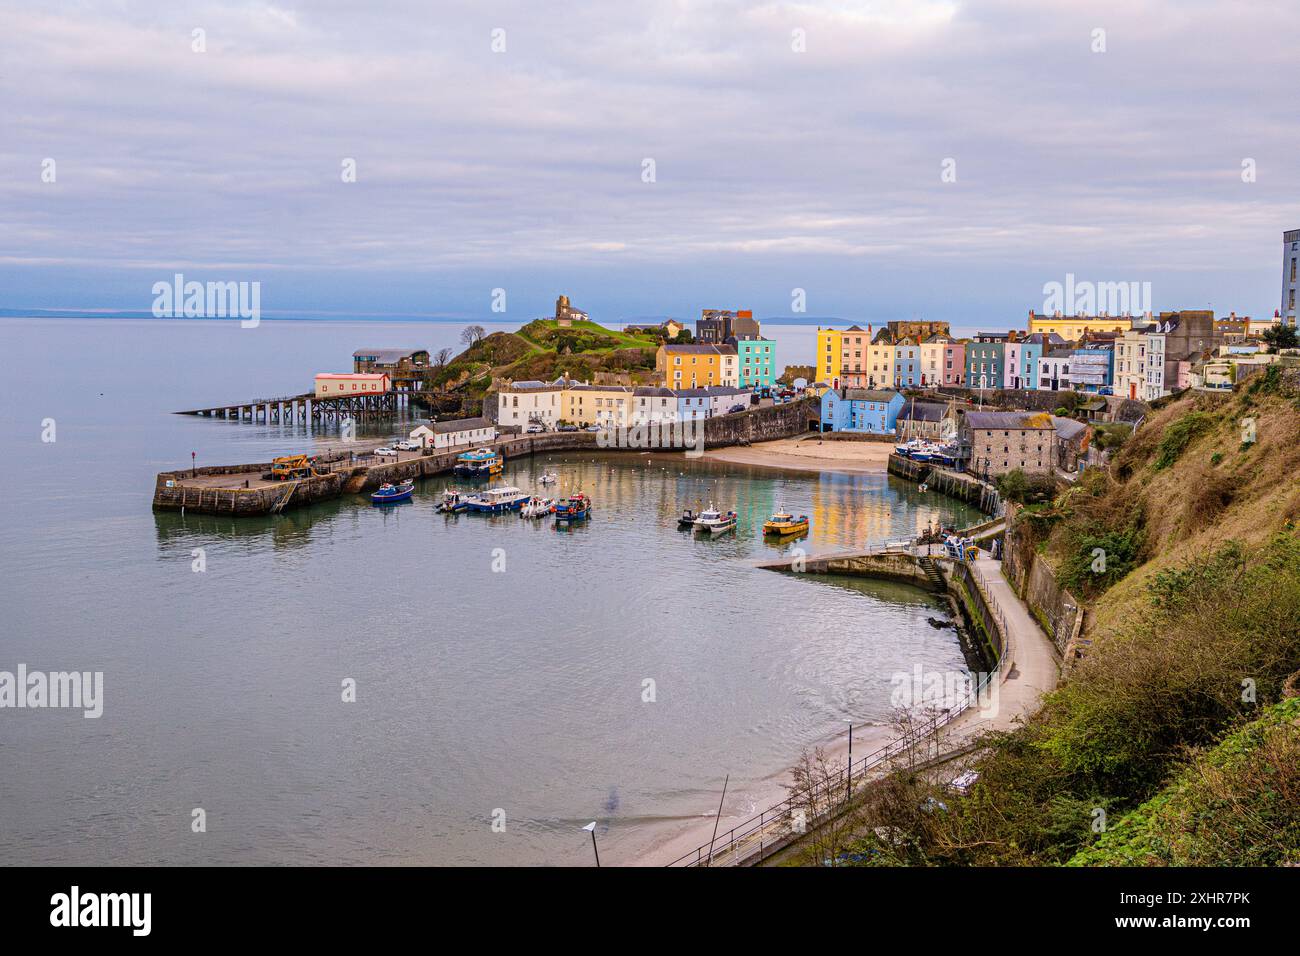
[861, 410]
[907, 363]
[693, 403]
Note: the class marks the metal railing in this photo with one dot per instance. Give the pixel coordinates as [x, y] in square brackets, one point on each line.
[760, 835]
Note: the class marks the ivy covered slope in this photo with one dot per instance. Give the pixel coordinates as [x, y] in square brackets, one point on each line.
[1176, 716]
[1234, 805]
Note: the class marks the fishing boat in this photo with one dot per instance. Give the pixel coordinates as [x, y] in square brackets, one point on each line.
[389, 493]
[548, 478]
[536, 507]
[497, 500]
[453, 501]
[687, 519]
[573, 508]
[784, 523]
[715, 522]
[479, 463]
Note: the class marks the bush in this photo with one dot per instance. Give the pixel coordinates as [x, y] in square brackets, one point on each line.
[1178, 435]
[1235, 805]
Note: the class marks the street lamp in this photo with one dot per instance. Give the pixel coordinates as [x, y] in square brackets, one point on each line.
[591, 827]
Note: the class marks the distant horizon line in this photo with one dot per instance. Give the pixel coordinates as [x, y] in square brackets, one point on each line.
[309, 316]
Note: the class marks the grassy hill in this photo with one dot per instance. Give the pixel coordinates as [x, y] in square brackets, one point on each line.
[1195, 623]
[542, 350]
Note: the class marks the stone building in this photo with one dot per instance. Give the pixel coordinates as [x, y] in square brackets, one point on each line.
[566, 315]
[993, 443]
[931, 420]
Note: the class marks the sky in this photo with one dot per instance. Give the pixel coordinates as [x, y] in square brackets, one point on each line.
[892, 160]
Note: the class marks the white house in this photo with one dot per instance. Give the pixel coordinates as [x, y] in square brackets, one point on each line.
[722, 397]
[452, 434]
[525, 403]
[652, 404]
[1054, 371]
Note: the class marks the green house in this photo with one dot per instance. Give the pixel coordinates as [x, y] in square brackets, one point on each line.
[756, 362]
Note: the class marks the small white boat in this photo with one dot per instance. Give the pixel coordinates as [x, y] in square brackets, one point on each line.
[715, 522]
[536, 507]
[548, 478]
[453, 501]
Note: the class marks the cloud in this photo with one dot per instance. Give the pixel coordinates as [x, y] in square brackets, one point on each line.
[1124, 163]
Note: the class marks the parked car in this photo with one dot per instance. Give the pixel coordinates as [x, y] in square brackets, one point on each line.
[534, 429]
[386, 452]
[568, 428]
[593, 428]
[406, 445]
[738, 407]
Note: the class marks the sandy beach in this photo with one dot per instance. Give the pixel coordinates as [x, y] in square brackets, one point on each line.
[810, 454]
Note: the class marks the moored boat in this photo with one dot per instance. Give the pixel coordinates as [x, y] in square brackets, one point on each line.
[389, 493]
[453, 501]
[497, 500]
[479, 463]
[687, 519]
[783, 523]
[715, 522]
[536, 507]
[573, 508]
[548, 478]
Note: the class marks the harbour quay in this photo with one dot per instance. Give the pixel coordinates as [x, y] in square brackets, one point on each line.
[251, 490]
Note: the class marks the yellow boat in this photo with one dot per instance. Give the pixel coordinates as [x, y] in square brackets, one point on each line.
[783, 523]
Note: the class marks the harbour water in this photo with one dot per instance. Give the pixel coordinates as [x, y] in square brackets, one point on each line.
[500, 665]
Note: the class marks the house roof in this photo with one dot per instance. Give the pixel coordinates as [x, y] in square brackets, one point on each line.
[530, 385]
[1019, 421]
[388, 356]
[1067, 428]
[701, 349]
[354, 376]
[654, 391]
[460, 425]
[869, 395]
[923, 411]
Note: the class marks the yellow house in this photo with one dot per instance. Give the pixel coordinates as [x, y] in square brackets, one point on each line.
[829, 351]
[1072, 327]
[697, 366]
[609, 405]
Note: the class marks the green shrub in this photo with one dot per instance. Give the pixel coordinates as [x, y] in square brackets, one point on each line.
[1178, 435]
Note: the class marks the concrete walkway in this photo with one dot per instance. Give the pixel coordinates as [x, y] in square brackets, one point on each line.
[1034, 667]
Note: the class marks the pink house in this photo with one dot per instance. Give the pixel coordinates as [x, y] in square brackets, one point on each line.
[954, 364]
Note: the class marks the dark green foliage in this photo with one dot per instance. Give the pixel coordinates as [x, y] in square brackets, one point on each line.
[1178, 435]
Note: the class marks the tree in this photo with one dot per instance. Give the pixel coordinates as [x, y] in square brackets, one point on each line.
[1282, 337]
[1013, 485]
[441, 358]
[472, 335]
[819, 807]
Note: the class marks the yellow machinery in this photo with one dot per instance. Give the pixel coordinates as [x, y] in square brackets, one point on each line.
[292, 467]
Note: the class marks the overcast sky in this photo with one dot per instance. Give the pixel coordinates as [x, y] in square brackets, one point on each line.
[774, 169]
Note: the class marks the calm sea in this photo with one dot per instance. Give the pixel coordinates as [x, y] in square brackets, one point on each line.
[501, 666]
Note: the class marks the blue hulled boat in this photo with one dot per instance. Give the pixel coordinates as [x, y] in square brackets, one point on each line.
[573, 508]
[388, 494]
[497, 500]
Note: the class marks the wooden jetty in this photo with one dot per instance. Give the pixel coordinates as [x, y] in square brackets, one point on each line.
[295, 409]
